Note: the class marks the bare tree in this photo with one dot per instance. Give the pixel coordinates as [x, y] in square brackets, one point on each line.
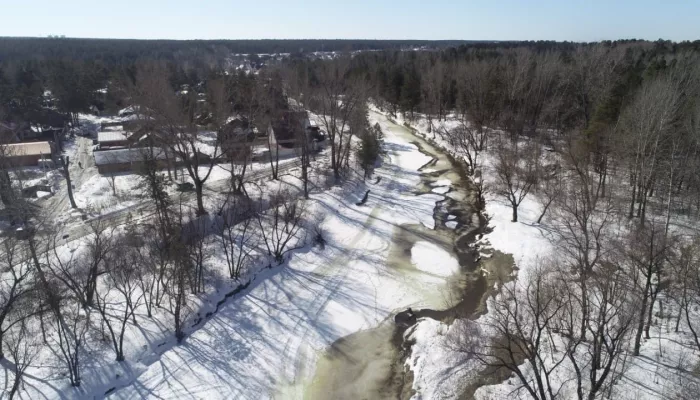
[154, 183]
[174, 119]
[280, 225]
[522, 322]
[238, 147]
[98, 244]
[15, 285]
[177, 294]
[550, 185]
[69, 271]
[72, 325]
[335, 98]
[69, 185]
[646, 124]
[305, 150]
[479, 106]
[119, 296]
[587, 78]
[237, 237]
[22, 348]
[154, 276]
[515, 172]
[195, 244]
[686, 285]
[581, 217]
[608, 323]
[646, 249]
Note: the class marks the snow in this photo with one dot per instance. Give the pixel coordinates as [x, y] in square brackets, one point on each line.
[96, 193]
[525, 239]
[435, 349]
[440, 189]
[266, 339]
[441, 370]
[442, 182]
[318, 297]
[431, 258]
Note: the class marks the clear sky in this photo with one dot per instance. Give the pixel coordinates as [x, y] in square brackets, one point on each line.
[577, 20]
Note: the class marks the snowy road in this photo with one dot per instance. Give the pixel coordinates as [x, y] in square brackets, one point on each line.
[265, 342]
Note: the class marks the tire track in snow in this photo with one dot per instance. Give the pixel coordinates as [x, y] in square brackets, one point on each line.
[296, 343]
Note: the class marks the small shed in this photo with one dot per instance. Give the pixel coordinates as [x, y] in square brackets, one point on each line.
[112, 138]
[123, 160]
[27, 154]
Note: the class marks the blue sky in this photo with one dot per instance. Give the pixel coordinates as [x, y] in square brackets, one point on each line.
[578, 20]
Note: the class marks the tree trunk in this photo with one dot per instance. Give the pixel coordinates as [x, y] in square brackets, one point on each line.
[544, 211]
[650, 314]
[642, 315]
[66, 163]
[199, 186]
[634, 197]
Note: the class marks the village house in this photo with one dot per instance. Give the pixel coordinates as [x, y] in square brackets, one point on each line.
[125, 160]
[285, 134]
[109, 138]
[237, 138]
[29, 154]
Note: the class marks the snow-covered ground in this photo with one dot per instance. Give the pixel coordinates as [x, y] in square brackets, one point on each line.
[431, 258]
[441, 371]
[264, 342]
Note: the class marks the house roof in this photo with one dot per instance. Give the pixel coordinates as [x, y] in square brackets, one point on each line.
[27, 149]
[128, 111]
[287, 126]
[124, 156]
[238, 122]
[111, 136]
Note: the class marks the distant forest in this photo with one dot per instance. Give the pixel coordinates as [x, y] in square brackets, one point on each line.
[129, 50]
[126, 51]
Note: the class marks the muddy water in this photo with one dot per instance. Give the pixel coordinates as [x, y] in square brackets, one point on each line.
[370, 364]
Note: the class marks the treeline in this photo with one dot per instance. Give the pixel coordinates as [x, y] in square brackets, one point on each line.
[126, 51]
[432, 82]
[630, 106]
[52, 92]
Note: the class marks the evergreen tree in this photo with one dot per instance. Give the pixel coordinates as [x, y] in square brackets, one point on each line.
[370, 149]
